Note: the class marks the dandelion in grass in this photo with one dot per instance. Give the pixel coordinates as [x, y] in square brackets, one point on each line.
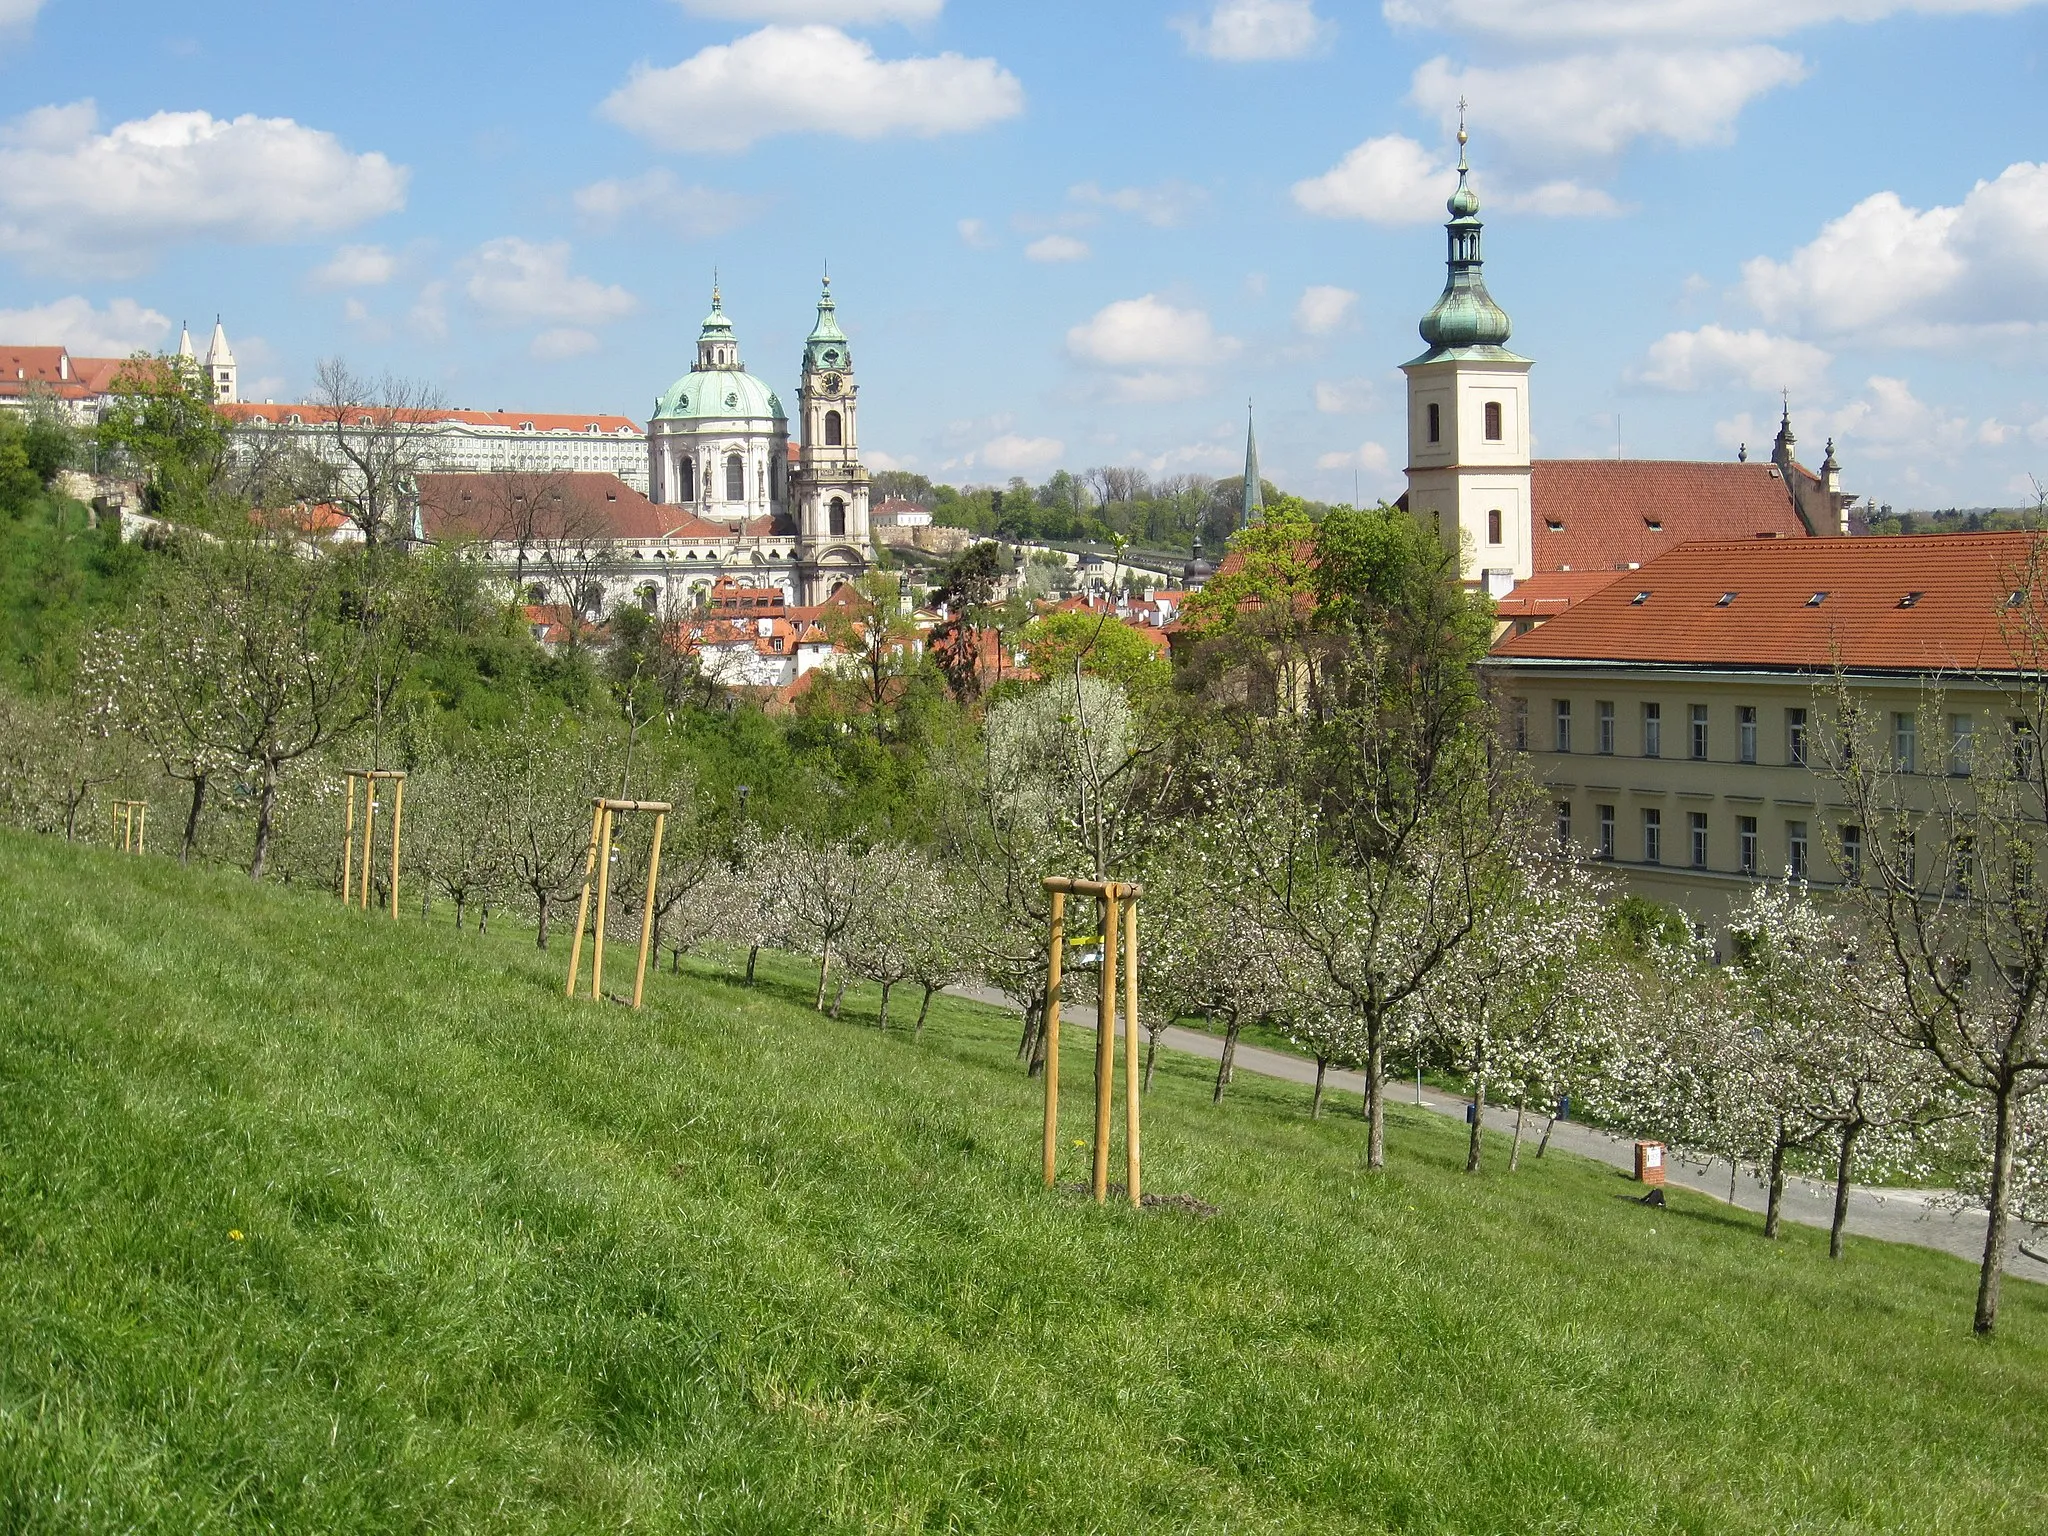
[234, 1234]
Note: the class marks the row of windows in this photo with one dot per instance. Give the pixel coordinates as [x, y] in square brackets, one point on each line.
[1904, 730]
[1491, 423]
[1749, 849]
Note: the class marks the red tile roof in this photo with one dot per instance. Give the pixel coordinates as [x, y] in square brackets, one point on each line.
[577, 506]
[1548, 593]
[1957, 619]
[67, 377]
[1604, 514]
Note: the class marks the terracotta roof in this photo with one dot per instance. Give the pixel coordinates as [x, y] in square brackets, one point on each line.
[578, 505]
[1887, 604]
[540, 421]
[67, 377]
[1605, 514]
[1548, 593]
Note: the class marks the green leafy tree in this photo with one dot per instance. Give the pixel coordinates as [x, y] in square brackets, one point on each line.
[161, 418]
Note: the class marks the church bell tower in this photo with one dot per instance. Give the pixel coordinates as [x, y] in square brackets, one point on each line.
[1468, 415]
[832, 484]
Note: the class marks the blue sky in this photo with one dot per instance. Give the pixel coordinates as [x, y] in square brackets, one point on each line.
[1074, 232]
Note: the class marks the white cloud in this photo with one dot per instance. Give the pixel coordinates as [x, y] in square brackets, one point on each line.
[1018, 454]
[876, 458]
[1389, 180]
[1365, 456]
[694, 212]
[1345, 397]
[847, 12]
[1057, 248]
[18, 13]
[124, 326]
[429, 313]
[518, 280]
[810, 79]
[1147, 331]
[552, 346]
[1939, 276]
[1158, 388]
[1165, 206]
[974, 233]
[1322, 308]
[1713, 356]
[1596, 104]
[1563, 200]
[1887, 422]
[74, 198]
[356, 266]
[1246, 31]
[1610, 21]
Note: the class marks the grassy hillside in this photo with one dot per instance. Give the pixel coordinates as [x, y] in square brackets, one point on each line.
[310, 1222]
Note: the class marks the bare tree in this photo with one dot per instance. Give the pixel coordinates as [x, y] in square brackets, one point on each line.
[371, 439]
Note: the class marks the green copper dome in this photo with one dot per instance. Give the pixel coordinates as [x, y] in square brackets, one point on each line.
[719, 387]
[826, 348]
[1465, 321]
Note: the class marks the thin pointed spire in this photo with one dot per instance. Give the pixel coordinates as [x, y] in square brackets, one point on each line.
[1254, 498]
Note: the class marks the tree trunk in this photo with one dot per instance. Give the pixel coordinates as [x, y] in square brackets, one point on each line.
[1774, 1202]
[1472, 1147]
[1315, 1107]
[1843, 1166]
[675, 961]
[458, 913]
[266, 806]
[883, 1021]
[426, 900]
[1999, 1210]
[1151, 1054]
[483, 918]
[192, 819]
[839, 997]
[1515, 1148]
[1228, 1059]
[824, 966]
[540, 938]
[1543, 1146]
[923, 1008]
[1375, 1096]
[752, 955]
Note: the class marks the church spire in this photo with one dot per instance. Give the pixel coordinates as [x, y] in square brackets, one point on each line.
[1254, 503]
[1465, 315]
[717, 346]
[826, 347]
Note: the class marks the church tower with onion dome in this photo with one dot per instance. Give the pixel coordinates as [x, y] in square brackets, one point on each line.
[1468, 415]
[831, 490]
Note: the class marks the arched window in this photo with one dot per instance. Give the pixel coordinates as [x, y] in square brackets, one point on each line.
[686, 479]
[832, 429]
[838, 518]
[735, 478]
[1493, 421]
[1493, 526]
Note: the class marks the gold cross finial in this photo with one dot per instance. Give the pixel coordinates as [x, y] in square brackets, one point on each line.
[1461, 122]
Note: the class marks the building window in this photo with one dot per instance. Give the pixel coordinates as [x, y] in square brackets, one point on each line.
[838, 515]
[1436, 423]
[1904, 733]
[1852, 855]
[832, 429]
[1696, 822]
[1564, 725]
[1605, 709]
[1493, 526]
[1745, 844]
[1962, 745]
[1518, 720]
[1745, 732]
[1795, 850]
[1564, 823]
[1795, 737]
[1653, 730]
[1653, 836]
[735, 478]
[1962, 863]
[1493, 421]
[650, 597]
[1699, 733]
[1606, 848]
[686, 479]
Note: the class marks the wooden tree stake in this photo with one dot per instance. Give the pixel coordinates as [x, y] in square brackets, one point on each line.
[1051, 1031]
[1105, 1045]
[647, 906]
[583, 902]
[1131, 1083]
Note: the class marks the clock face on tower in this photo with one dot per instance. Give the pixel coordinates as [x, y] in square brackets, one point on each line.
[831, 383]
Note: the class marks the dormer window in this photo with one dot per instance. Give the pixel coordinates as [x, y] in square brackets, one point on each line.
[1555, 525]
[1639, 599]
[1653, 525]
[526, 426]
[1911, 599]
[1816, 600]
[1725, 600]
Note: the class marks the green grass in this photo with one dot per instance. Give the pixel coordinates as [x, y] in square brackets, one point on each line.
[512, 1264]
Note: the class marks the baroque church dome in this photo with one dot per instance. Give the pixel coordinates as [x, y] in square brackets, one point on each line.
[718, 387]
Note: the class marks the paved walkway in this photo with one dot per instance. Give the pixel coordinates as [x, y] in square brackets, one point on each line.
[1892, 1215]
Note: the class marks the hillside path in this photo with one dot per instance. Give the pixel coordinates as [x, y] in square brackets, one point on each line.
[1890, 1215]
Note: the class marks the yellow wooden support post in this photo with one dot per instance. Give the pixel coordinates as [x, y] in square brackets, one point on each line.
[1051, 1030]
[604, 891]
[348, 841]
[1105, 1045]
[369, 827]
[647, 914]
[1131, 1049]
[397, 821]
[142, 828]
[583, 903]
